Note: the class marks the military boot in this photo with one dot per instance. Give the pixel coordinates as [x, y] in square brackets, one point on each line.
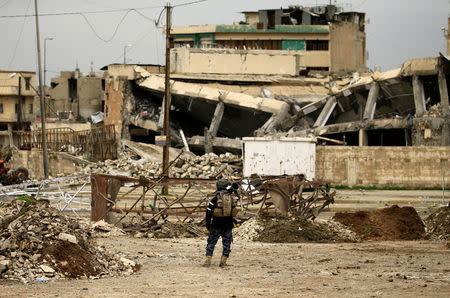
[223, 261]
[207, 261]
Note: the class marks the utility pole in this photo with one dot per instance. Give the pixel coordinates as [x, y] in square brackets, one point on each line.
[45, 57]
[41, 95]
[166, 129]
[19, 105]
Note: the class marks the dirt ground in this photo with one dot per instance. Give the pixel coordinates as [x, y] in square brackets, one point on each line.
[171, 267]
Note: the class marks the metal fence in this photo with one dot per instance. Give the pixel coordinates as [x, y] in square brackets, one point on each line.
[96, 144]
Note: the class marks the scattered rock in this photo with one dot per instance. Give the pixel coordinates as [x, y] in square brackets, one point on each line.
[67, 237]
[280, 229]
[187, 166]
[37, 239]
[438, 224]
[47, 269]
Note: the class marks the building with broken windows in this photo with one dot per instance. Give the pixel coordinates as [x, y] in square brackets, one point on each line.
[17, 103]
[76, 95]
[295, 40]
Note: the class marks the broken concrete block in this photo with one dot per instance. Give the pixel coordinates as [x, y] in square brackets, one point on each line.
[47, 269]
[67, 237]
[4, 265]
[127, 262]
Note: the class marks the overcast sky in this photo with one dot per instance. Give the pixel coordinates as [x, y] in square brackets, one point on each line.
[398, 30]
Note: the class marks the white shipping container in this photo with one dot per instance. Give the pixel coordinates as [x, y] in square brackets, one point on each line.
[283, 156]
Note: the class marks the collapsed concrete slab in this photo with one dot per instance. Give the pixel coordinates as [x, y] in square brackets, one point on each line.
[379, 109]
[154, 82]
[219, 144]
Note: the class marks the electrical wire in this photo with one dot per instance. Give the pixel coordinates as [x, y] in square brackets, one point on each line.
[80, 12]
[115, 31]
[20, 36]
[189, 3]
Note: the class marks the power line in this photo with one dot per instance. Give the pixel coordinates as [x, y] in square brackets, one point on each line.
[20, 36]
[115, 31]
[80, 12]
[189, 3]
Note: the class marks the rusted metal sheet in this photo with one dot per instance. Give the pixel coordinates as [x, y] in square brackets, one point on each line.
[99, 208]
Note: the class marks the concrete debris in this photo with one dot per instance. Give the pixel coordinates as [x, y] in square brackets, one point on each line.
[438, 224]
[67, 237]
[249, 230]
[433, 111]
[187, 166]
[275, 229]
[103, 229]
[37, 240]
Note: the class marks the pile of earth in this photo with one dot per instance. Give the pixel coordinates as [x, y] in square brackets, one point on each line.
[280, 229]
[37, 241]
[392, 223]
[438, 224]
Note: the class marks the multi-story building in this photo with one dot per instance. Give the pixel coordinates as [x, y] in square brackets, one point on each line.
[17, 103]
[78, 94]
[325, 37]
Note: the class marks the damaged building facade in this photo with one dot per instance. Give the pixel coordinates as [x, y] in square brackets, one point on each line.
[403, 107]
[76, 96]
[322, 38]
[17, 103]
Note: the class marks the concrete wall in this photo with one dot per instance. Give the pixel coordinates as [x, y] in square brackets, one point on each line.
[347, 48]
[252, 18]
[315, 59]
[127, 70]
[430, 131]
[9, 108]
[73, 125]
[61, 90]
[448, 38]
[215, 61]
[115, 92]
[10, 85]
[90, 96]
[32, 160]
[383, 166]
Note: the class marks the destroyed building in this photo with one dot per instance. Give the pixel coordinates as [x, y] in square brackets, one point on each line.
[321, 38]
[74, 95]
[17, 103]
[403, 107]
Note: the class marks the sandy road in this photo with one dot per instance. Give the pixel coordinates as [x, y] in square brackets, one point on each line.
[171, 267]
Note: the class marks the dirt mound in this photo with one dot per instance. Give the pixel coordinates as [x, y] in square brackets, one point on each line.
[393, 223]
[38, 241]
[438, 224]
[297, 230]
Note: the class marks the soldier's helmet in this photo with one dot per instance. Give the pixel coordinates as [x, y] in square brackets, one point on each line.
[222, 184]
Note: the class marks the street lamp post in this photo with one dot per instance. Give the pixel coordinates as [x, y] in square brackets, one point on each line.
[125, 53]
[45, 57]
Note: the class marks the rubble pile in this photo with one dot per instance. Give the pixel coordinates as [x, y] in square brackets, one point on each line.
[279, 229]
[438, 224]
[146, 109]
[433, 111]
[392, 223]
[187, 166]
[249, 230]
[38, 242]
